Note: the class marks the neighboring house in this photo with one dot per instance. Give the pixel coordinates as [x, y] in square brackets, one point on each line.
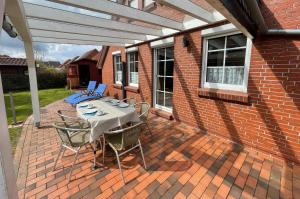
[53, 64]
[218, 80]
[10, 65]
[80, 70]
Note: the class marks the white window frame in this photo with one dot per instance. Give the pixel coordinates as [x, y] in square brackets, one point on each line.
[128, 66]
[170, 110]
[115, 68]
[241, 88]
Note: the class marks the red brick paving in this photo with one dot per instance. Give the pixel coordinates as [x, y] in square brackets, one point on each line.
[182, 163]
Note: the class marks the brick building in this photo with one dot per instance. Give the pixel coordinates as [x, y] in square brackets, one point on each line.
[219, 80]
[80, 70]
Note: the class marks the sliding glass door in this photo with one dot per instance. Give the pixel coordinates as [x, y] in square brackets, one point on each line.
[163, 78]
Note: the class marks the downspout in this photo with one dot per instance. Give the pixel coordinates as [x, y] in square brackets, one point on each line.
[259, 19]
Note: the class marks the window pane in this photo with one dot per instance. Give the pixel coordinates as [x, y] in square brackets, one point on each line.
[136, 69]
[214, 75]
[234, 41]
[133, 77]
[217, 43]
[160, 98]
[160, 83]
[131, 57]
[136, 56]
[161, 54]
[169, 68]
[215, 58]
[131, 67]
[169, 100]
[161, 68]
[169, 84]
[234, 76]
[170, 53]
[235, 57]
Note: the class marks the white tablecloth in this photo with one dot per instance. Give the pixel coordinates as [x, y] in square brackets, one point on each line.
[114, 117]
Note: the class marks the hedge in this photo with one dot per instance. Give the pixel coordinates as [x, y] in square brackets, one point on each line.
[47, 78]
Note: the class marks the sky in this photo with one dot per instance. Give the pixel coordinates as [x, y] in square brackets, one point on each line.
[49, 52]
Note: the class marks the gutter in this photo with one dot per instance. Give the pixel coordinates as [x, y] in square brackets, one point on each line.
[259, 19]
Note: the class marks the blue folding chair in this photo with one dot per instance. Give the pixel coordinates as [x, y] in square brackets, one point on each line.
[90, 89]
[98, 93]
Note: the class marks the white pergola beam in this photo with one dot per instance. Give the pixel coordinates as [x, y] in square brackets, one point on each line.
[73, 41]
[44, 12]
[116, 9]
[37, 24]
[61, 35]
[190, 8]
[8, 186]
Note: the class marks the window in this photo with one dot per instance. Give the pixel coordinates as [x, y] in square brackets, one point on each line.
[118, 68]
[226, 62]
[133, 75]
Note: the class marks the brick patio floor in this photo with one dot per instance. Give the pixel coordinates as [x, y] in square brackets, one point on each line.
[182, 162]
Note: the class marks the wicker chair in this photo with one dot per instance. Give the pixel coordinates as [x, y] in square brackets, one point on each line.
[123, 141]
[72, 138]
[143, 109]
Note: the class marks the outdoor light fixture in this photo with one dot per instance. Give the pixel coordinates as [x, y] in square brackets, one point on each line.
[185, 42]
[7, 27]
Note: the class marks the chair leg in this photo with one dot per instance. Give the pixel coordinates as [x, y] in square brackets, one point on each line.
[142, 153]
[103, 150]
[76, 156]
[120, 168]
[60, 150]
[148, 127]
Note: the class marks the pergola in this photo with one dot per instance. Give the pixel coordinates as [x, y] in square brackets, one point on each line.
[42, 23]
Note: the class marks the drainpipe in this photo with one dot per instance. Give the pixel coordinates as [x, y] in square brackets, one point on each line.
[259, 19]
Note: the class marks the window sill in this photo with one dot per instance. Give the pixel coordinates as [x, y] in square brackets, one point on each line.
[233, 96]
[132, 89]
[117, 86]
[161, 113]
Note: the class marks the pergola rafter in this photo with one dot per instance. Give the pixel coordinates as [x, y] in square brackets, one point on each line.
[74, 41]
[116, 9]
[53, 14]
[79, 37]
[54, 26]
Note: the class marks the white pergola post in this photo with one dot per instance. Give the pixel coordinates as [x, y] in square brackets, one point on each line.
[33, 83]
[8, 187]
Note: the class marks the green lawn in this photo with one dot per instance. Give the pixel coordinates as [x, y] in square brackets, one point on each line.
[22, 101]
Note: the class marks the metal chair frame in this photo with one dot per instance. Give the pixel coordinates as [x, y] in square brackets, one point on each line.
[144, 114]
[65, 146]
[118, 155]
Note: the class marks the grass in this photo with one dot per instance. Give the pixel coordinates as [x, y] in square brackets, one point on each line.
[22, 102]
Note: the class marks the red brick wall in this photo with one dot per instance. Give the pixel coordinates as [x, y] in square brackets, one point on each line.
[269, 122]
[282, 14]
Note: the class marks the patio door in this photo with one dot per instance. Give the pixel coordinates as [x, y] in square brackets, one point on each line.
[163, 78]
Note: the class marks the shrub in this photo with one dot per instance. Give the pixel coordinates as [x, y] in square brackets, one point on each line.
[47, 78]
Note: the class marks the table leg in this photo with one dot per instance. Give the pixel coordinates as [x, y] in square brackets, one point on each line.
[95, 152]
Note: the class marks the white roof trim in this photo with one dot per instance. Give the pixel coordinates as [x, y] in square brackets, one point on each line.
[73, 41]
[219, 30]
[116, 52]
[163, 42]
[132, 49]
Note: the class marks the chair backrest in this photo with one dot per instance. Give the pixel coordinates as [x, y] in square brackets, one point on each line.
[64, 131]
[130, 135]
[100, 89]
[65, 118]
[91, 87]
[144, 110]
[130, 100]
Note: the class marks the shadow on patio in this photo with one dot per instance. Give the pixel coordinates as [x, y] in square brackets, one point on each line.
[182, 162]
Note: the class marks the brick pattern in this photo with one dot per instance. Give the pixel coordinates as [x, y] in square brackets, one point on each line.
[182, 163]
[283, 14]
[267, 117]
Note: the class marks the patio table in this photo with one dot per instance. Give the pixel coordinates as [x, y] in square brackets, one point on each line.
[114, 116]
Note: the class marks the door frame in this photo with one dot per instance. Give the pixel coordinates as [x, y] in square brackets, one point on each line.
[170, 110]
